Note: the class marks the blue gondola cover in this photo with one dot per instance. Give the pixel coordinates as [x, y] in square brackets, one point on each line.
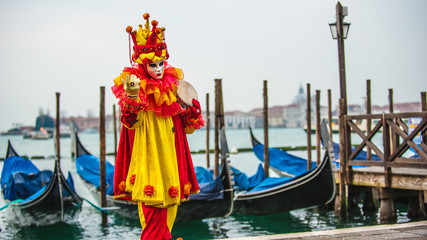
[88, 168]
[20, 178]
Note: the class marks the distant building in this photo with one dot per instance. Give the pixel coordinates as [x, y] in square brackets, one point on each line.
[238, 119]
[398, 108]
[83, 123]
[44, 121]
[295, 114]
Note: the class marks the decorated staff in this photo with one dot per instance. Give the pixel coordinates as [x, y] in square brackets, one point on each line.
[154, 166]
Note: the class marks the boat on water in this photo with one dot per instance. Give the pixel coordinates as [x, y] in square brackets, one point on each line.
[281, 162]
[300, 189]
[214, 200]
[35, 197]
[285, 164]
[41, 134]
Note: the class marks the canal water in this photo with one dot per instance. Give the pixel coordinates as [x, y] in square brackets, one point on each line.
[88, 224]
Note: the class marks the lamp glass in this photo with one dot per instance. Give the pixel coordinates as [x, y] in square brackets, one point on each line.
[334, 33]
[345, 28]
[333, 27]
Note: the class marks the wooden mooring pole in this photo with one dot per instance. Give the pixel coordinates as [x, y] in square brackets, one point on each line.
[368, 111]
[217, 122]
[58, 151]
[331, 133]
[115, 131]
[370, 202]
[57, 135]
[341, 203]
[102, 151]
[308, 112]
[265, 114]
[208, 128]
[394, 137]
[424, 109]
[387, 205]
[318, 146]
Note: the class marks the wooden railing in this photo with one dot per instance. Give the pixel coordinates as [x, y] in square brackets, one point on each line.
[396, 141]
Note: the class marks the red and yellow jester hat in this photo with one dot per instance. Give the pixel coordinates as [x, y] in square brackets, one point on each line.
[148, 46]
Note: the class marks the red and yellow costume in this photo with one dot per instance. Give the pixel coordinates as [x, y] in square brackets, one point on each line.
[153, 165]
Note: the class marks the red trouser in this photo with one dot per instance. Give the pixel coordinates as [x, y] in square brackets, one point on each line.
[156, 222]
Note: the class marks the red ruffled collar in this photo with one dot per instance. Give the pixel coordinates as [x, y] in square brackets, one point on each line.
[158, 96]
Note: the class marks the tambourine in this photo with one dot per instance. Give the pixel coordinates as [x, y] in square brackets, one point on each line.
[186, 92]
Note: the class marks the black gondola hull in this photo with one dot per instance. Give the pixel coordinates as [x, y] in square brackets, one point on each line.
[57, 203]
[310, 190]
[187, 211]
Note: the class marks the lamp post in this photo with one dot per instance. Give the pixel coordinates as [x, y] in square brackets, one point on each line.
[339, 31]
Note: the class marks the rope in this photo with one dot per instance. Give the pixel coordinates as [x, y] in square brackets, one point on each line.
[14, 201]
[96, 207]
[93, 205]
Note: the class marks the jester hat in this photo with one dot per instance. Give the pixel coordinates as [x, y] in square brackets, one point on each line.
[148, 45]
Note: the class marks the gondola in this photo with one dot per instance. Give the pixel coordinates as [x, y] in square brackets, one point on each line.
[311, 188]
[214, 200]
[280, 161]
[37, 197]
[285, 164]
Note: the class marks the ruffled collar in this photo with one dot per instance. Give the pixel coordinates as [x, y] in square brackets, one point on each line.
[158, 95]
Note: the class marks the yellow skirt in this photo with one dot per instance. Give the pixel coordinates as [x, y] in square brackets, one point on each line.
[153, 176]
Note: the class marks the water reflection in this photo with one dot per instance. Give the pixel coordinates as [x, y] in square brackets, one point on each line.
[66, 231]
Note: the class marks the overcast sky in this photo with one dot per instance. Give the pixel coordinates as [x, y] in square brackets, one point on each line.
[74, 47]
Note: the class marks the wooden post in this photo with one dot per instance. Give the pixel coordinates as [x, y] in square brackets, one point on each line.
[103, 196]
[330, 114]
[341, 57]
[368, 111]
[217, 116]
[318, 147]
[346, 141]
[265, 113]
[343, 185]
[57, 135]
[424, 109]
[370, 203]
[393, 137]
[115, 131]
[387, 206]
[387, 152]
[390, 100]
[208, 128]
[58, 152]
[221, 108]
[308, 112]
[423, 102]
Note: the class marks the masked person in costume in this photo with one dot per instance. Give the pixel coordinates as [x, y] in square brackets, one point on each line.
[153, 165]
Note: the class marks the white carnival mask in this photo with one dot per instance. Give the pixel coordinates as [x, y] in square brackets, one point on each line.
[155, 69]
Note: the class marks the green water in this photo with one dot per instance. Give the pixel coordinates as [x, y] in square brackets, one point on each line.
[88, 225]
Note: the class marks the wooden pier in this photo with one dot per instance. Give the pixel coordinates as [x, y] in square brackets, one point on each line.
[395, 175]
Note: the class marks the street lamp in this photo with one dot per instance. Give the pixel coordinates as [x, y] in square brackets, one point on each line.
[334, 30]
[339, 31]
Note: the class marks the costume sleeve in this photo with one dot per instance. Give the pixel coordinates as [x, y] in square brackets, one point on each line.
[193, 118]
[128, 118]
[129, 106]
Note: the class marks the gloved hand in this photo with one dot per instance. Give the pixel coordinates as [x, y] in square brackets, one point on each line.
[195, 110]
[131, 84]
